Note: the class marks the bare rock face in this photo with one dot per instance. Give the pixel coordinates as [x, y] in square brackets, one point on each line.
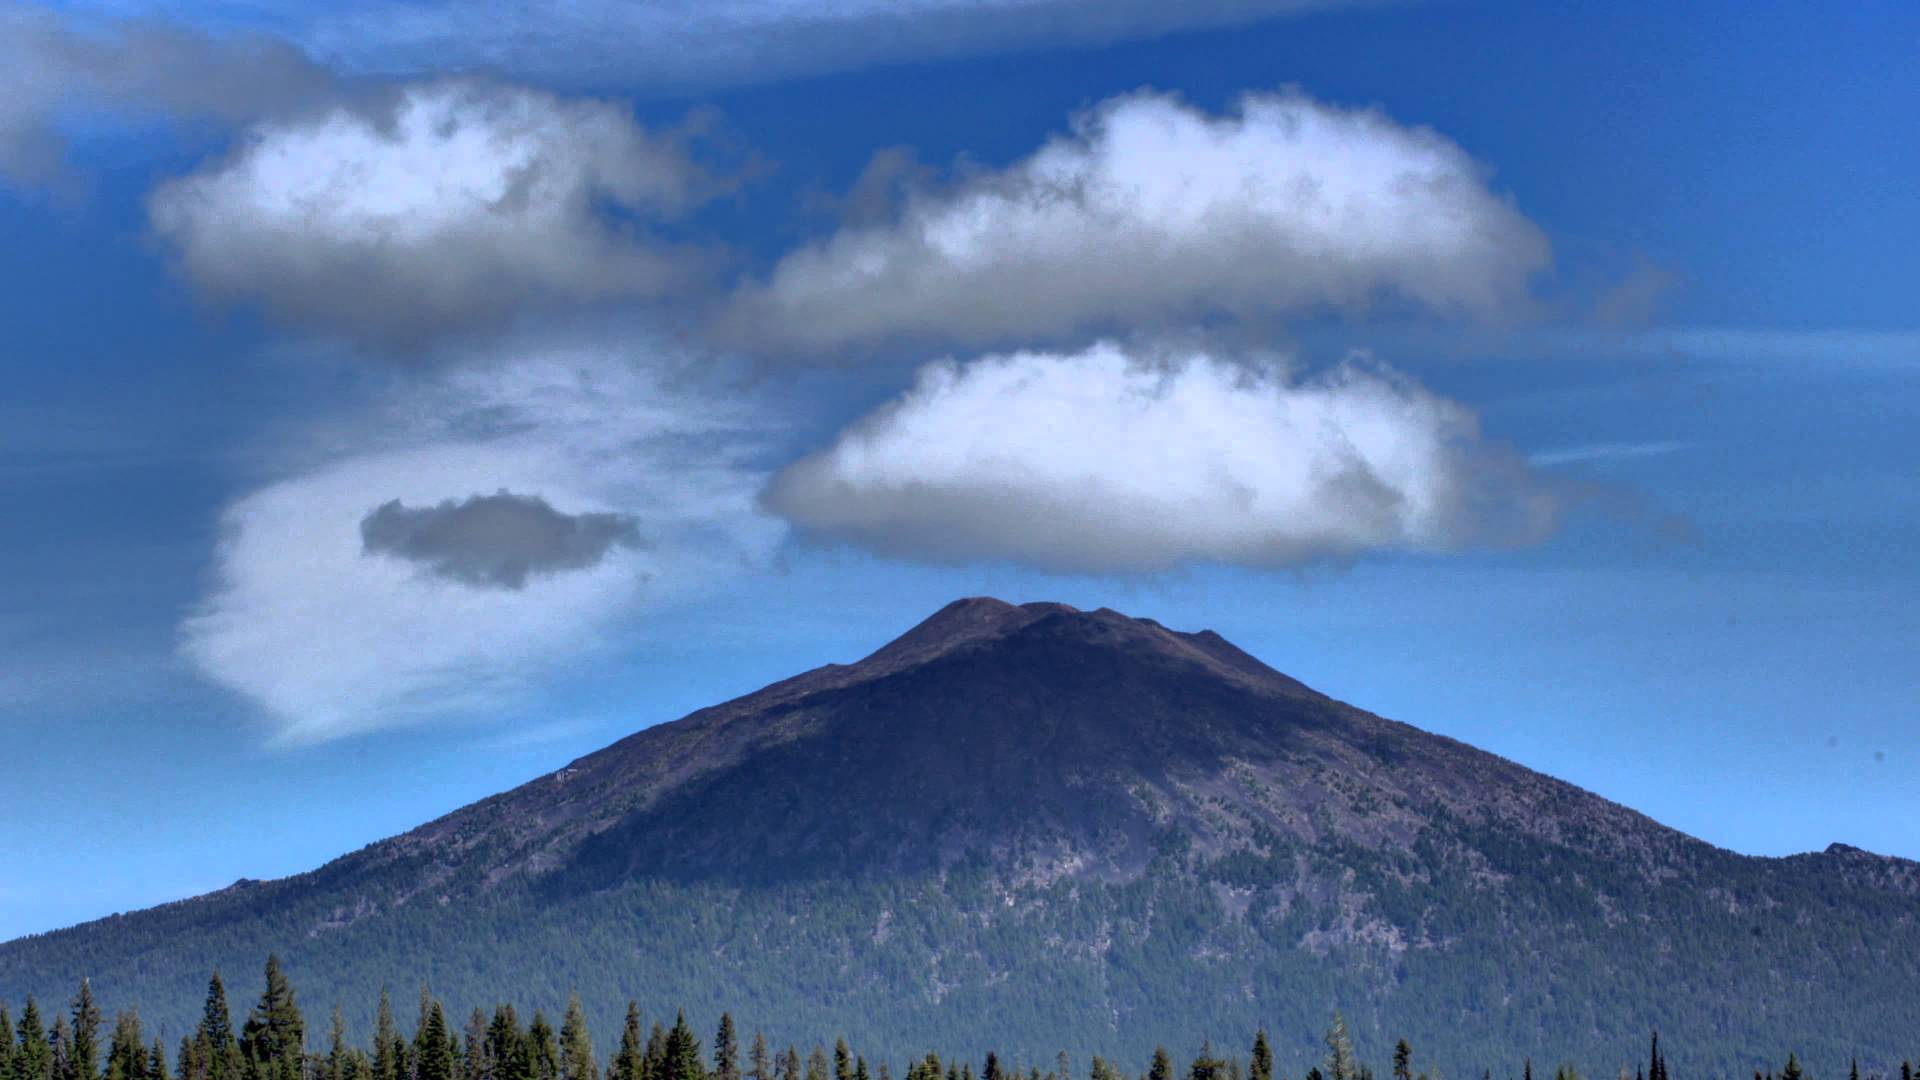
[1029, 827]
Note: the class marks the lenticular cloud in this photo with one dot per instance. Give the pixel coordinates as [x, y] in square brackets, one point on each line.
[1100, 461]
[1153, 211]
[451, 204]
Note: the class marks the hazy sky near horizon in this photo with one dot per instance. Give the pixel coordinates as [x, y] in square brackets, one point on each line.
[402, 400]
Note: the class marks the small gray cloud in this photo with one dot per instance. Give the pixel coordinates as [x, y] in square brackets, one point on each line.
[54, 67]
[495, 541]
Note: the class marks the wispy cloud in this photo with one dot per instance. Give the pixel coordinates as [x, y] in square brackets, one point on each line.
[702, 43]
[1606, 452]
[330, 639]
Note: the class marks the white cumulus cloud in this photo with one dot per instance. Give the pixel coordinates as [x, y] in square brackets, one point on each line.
[1101, 461]
[1153, 211]
[331, 638]
[447, 204]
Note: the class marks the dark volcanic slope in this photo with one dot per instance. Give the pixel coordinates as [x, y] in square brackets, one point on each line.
[1031, 827]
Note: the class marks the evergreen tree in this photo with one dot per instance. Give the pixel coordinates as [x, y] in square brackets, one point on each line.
[1656, 1062]
[507, 1045]
[84, 1055]
[1340, 1059]
[433, 1047]
[991, 1070]
[817, 1063]
[654, 1064]
[628, 1063]
[860, 1069]
[215, 1044]
[1262, 1058]
[338, 1053]
[842, 1060]
[726, 1051]
[1207, 1066]
[758, 1067]
[476, 1060]
[1792, 1070]
[576, 1045]
[543, 1050]
[157, 1062]
[274, 1039]
[387, 1056]
[126, 1049]
[1906, 1067]
[683, 1053]
[1162, 1067]
[6, 1043]
[60, 1043]
[790, 1064]
[1853, 1073]
[1402, 1061]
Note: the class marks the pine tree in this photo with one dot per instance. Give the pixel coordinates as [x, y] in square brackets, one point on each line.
[157, 1062]
[1792, 1070]
[6, 1043]
[1402, 1061]
[1853, 1073]
[507, 1045]
[790, 1064]
[1656, 1063]
[817, 1063]
[126, 1049]
[991, 1070]
[476, 1060]
[1207, 1066]
[215, 1039]
[60, 1043]
[84, 1054]
[683, 1053]
[629, 1062]
[1162, 1068]
[338, 1053]
[1262, 1057]
[758, 1067]
[434, 1047]
[726, 1051]
[576, 1045]
[842, 1061]
[1340, 1060]
[273, 1042]
[387, 1064]
[1906, 1067]
[860, 1069]
[543, 1051]
[654, 1062]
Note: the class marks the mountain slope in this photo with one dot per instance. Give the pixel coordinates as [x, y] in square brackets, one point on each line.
[1034, 827]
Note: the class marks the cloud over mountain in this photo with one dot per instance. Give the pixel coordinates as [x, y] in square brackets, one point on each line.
[1151, 211]
[1102, 461]
[465, 601]
[443, 205]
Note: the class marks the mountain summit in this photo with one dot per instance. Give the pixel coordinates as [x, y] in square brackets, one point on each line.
[1029, 827]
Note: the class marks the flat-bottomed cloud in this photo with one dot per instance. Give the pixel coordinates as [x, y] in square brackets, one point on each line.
[1104, 462]
[452, 204]
[1153, 212]
[495, 541]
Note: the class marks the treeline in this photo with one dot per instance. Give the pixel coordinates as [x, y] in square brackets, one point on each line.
[272, 1044]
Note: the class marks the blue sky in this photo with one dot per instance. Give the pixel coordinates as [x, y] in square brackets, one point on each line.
[1620, 484]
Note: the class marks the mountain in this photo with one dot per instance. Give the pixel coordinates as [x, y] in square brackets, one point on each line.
[1034, 827]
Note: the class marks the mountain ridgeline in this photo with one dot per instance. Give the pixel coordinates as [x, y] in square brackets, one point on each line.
[1033, 829]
